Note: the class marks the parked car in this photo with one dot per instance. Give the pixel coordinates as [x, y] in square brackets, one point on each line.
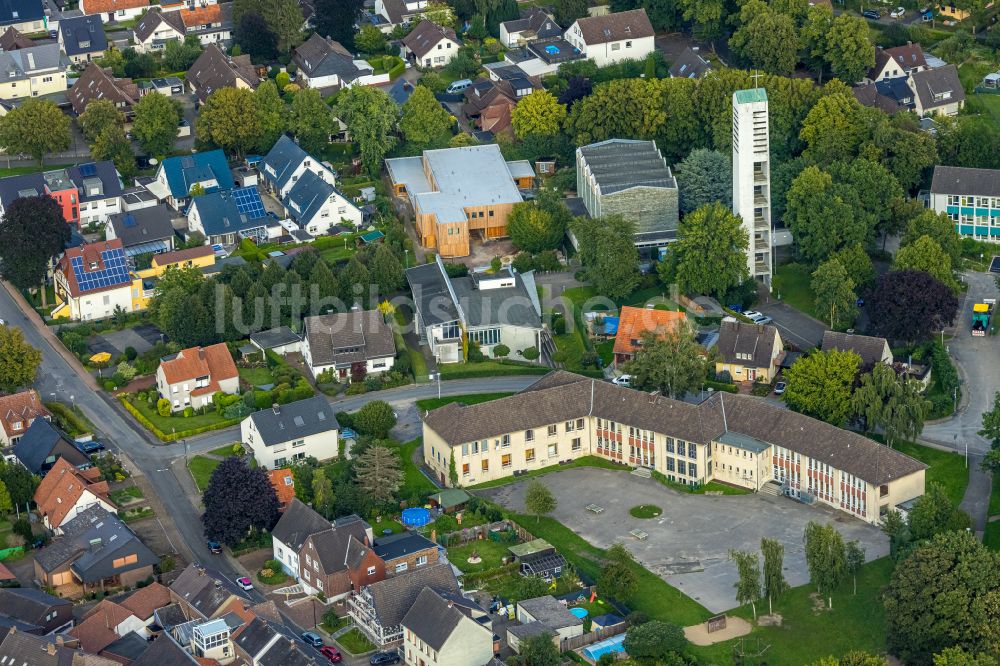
[622, 380]
[779, 388]
[898, 12]
[458, 86]
[383, 658]
[871, 14]
[245, 583]
[91, 447]
[757, 317]
[312, 638]
[331, 653]
[215, 547]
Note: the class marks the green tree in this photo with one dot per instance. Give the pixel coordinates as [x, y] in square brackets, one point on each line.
[814, 33]
[704, 177]
[766, 39]
[311, 120]
[934, 513]
[849, 48]
[821, 217]
[539, 500]
[819, 385]
[229, 120]
[924, 254]
[370, 40]
[284, 19]
[669, 362]
[375, 419]
[534, 229]
[377, 472]
[826, 558]
[452, 470]
[112, 144]
[370, 116]
[178, 56]
[748, 584]
[834, 291]
[618, 579]
[654, 641]
[568, 11]
[854, 558]
[711, 251]
[354, 281]
[540, 650]
[424, 123]
[858, 265]
[387, 271]
[255, 37]
[98, 115]
[608, 253]
[540, 113]
[707, 16]
[991, 431]
[956, 656]
[940, 228]
[155, 124]
[833, 129]
[6, 506]
[501, 351]
[322, 488]
[890, 403]
[775, 584]
[33, 231]
[19, 482]
[37, 127]
[272, 114]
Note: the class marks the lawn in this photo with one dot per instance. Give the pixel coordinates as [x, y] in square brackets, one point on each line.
[201, 469]
[21, 170]
[355, 642]
[606, 350]
[991, 538]
[584, 461]
[338, 624]
[126, 495]
[133, 515]
[945, 467]
[224, 451]
[489, 369]
[710, 487]
[491, 553]
[645, 511]
[379, 526]
[791, 284]
[178, 422]
[417, 361]
[414, 481]
[256, 376]
[468, 399]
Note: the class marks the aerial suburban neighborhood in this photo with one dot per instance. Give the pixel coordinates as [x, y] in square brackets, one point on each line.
[485, 332]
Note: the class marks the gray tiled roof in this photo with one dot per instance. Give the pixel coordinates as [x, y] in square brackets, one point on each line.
[21, 64]
[401, 545]
[254, 637]
[349, 337]
[549, 612]
[275, 337]
[284, 157]
[308, 195]
[689, 65]
[21, 648]
[965, 180]
[757, 340]
[151, 20]
[393, 597]
[621, 164]
[869, 348]
[561, 396]
[341, 547]
[41, 440]
[21, 11]
[142, 225]
[631, 24]
[297, 523]
[295, 420]
[941, 81]
[432, 299]
[205, 590]
[423, 38]
[432, 618]
[214, 70]
[26, 604]
[165, 652]
[318, 57]
[131, 646]
[83, 34]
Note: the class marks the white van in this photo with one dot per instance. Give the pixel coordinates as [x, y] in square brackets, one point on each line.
[458, 86]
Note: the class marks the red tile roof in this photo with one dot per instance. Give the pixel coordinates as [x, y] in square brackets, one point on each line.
[284, 486]
[97, 632]
[178, 256]
[62, 487]
[214, 362]
[200, 16]
[147, 599]
[633, 322]
[99, 6]
[5, 573]
[20, 408]
[91, 254]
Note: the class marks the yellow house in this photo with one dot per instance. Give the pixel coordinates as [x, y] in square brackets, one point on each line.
[748, 352]
[951, 10]
[144, 281]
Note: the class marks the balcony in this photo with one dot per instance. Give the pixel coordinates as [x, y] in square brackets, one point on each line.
[761, 268]
[759, 176]
[761, 224]
[759, 199]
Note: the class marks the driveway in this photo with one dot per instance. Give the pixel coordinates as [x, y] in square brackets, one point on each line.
[688, 546]
[796, 328]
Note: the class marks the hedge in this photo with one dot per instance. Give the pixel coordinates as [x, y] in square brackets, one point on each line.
[396, 71]
[173, 436]
[721, 386]
[71, 421]
[472, 372]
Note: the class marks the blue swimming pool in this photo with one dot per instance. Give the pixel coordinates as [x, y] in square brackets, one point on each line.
[579, 611]
[552, 49]
[613, 644]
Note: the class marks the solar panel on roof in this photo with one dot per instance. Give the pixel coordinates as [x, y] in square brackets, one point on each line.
[115, 271]
[129, 220]
[87, 170]
[248, 202]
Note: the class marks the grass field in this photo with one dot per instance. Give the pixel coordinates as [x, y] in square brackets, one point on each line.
[584, 461]
[355, 642]
[414, 481]
[178, 421]
[21, 170]
[468, 399]
[606, 350]
[224, 451]
[488, 369]
[490, 552]
[379, 526]
[201, 469]
[791, 282]
[946, 468]
[256, 376]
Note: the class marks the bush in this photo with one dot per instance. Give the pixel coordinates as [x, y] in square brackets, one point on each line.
[130, 354]
[22, 528]
[188, 412]
[163, 407]
[558, 326]
[531, 353]
[547, 262]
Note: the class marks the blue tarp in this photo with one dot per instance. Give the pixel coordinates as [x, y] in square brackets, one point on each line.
[611, 326]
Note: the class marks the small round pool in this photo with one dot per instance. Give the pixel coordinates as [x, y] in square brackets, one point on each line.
[416, 517]
[579, 611]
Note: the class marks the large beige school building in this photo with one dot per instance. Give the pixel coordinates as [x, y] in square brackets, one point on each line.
[734, 439]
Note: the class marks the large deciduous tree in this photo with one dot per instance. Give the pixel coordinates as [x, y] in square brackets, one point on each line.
[991, 431]
[821, 216]
[272, 114]
[618, 579]
[891, 403]
[284, 19]
[934, 513]
[940, 228]
[37, 127]
[424, 122]
[704, 177]
[311, 120]
[20, 483]
[670, 362]
[924, 254]
[112, 144]
[655, 642]
[239, 499]
[33, 231]
[849, 48]
[833, 128]
[255, 37]
[19, 361]
[813, 35]
[375, 419]
[911, 306]
[378, 473]
[608, 253]
[539, 500]
[567, 11]
[819, 385]
[748, 578]
[99, 114]
[834, 291]
[766, 39]
[710, 251]
[775, 584]
[540, 650]
[858, 265]
[535, 228]
[826, 558]
[540, 113]
[155, 124]
[228, 119]
[370, 116]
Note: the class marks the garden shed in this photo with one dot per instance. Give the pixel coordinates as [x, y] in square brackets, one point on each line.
[538, 558]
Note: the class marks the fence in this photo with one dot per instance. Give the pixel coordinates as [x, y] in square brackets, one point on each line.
[477, 533]
[575, 642]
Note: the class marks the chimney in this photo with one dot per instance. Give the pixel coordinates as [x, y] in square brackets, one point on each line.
[451, 604]
[51, 649]
[276, 408]
[59, 641]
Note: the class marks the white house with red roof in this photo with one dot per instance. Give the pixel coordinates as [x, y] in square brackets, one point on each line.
[17, 412]
[191, 377]
[65, 491]
[114, 10]
[92, 281]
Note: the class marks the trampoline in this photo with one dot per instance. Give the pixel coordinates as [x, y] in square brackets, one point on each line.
[579, 611]
[416, 517]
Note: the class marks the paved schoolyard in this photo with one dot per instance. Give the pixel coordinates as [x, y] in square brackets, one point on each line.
[688, 544]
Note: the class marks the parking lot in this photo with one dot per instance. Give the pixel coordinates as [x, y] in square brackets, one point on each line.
[689, 544]
[142, 338]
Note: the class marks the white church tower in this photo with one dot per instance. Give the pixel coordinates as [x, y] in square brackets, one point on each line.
[752, 178]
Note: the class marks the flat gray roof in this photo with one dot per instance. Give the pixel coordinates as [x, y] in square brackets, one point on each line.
[744, 442]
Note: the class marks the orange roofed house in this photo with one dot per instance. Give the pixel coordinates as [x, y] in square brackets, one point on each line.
[66, 491]
[634, 322]
[114, 10]
[191, 377]
[284, 486]
[17, 412]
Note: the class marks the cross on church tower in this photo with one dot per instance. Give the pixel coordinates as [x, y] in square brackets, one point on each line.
[756, 78]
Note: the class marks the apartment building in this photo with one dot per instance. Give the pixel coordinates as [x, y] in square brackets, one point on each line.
[734, 439]
[32, 72]
[971, 198]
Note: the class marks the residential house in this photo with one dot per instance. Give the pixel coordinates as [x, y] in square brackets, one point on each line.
[26, 16]
[457, 193]
[378, 609]
[297, 523]
[327, 66]
[211, 23]
[267, 643]
[32, 72]
[889, 95]
[552, 614]
[176, 176]
[96, 552]
[144, 280]
[970, 197]
[66, 491]
[126, 649]
[405, 552]
[27, 649]
[872, 350]
[430, 45]
[143, 231]
[612, 38]
[168, 86]
[165, 651]
[192, 376]
[632, 179]
[12, 40]
[634, 323]
[733, 439]
[82, 38]
[535, 23]
[92, 281]
[87, 193]
[111, 11]
[398, 12]
[937, 91]
[227, 217]
[104, 624]
[33, 611]
[689, 65]
[283, 482]
[98, 83]
[144, 602]
[17, 412]
[339, 561]
[489, 103]
[486, 308]
[205, 594]
[446, 629]
[748, 352]
[42, 445]
[348, 344]
[281, 340]
[285, 434]
[156, 29]
[896, 62]
[214, 70]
